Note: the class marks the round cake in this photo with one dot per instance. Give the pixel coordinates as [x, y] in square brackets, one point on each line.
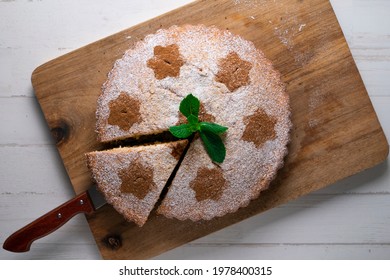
[237, 87]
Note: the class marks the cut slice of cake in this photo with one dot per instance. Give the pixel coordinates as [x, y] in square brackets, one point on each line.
[132, 178]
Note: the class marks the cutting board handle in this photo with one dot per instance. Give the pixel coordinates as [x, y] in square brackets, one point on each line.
[21, 240]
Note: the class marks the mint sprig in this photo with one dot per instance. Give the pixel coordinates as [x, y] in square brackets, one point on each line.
[209, 132]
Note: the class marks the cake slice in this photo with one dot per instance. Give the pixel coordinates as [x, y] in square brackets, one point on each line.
[132, 178]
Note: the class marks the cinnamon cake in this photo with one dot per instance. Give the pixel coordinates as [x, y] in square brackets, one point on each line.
[237, 87]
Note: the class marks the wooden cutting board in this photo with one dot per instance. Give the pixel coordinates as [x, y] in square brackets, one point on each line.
[336, 131]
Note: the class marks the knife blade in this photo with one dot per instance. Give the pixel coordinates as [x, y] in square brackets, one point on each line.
[86, 202]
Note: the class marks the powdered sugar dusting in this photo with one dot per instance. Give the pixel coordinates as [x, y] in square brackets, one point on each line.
[247, 169]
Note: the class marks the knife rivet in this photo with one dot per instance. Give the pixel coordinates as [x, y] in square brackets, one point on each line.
[81, 202]
[59, 216]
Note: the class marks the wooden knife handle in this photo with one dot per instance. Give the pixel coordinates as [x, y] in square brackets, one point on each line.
[21, 240]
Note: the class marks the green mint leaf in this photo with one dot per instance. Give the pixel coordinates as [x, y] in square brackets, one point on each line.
[209, 132]
[192, 119]
[190, 106]
[212, 127]
[214, 146]
[181, 131]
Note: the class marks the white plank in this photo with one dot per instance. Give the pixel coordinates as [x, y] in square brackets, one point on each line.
[32, 169]
[279, 252]
[366, 27]
[55, 251]
[370, 17]
[376, 84]
[22, 122]
[381, 106]
[16, 68]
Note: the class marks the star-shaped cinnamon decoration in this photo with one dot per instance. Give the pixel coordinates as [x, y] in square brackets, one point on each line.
[233, 71]
[260, 128]
[166, 61]
[137, 179]
[124, 111]
[208, 184]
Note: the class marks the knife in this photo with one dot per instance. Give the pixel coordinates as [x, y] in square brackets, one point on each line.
[86, 202]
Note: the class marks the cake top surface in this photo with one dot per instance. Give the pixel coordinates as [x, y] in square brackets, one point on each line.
[238, 88]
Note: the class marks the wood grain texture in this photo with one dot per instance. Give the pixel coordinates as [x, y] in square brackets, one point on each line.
[336, 132]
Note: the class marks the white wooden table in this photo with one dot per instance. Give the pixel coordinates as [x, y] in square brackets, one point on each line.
[349, 220]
